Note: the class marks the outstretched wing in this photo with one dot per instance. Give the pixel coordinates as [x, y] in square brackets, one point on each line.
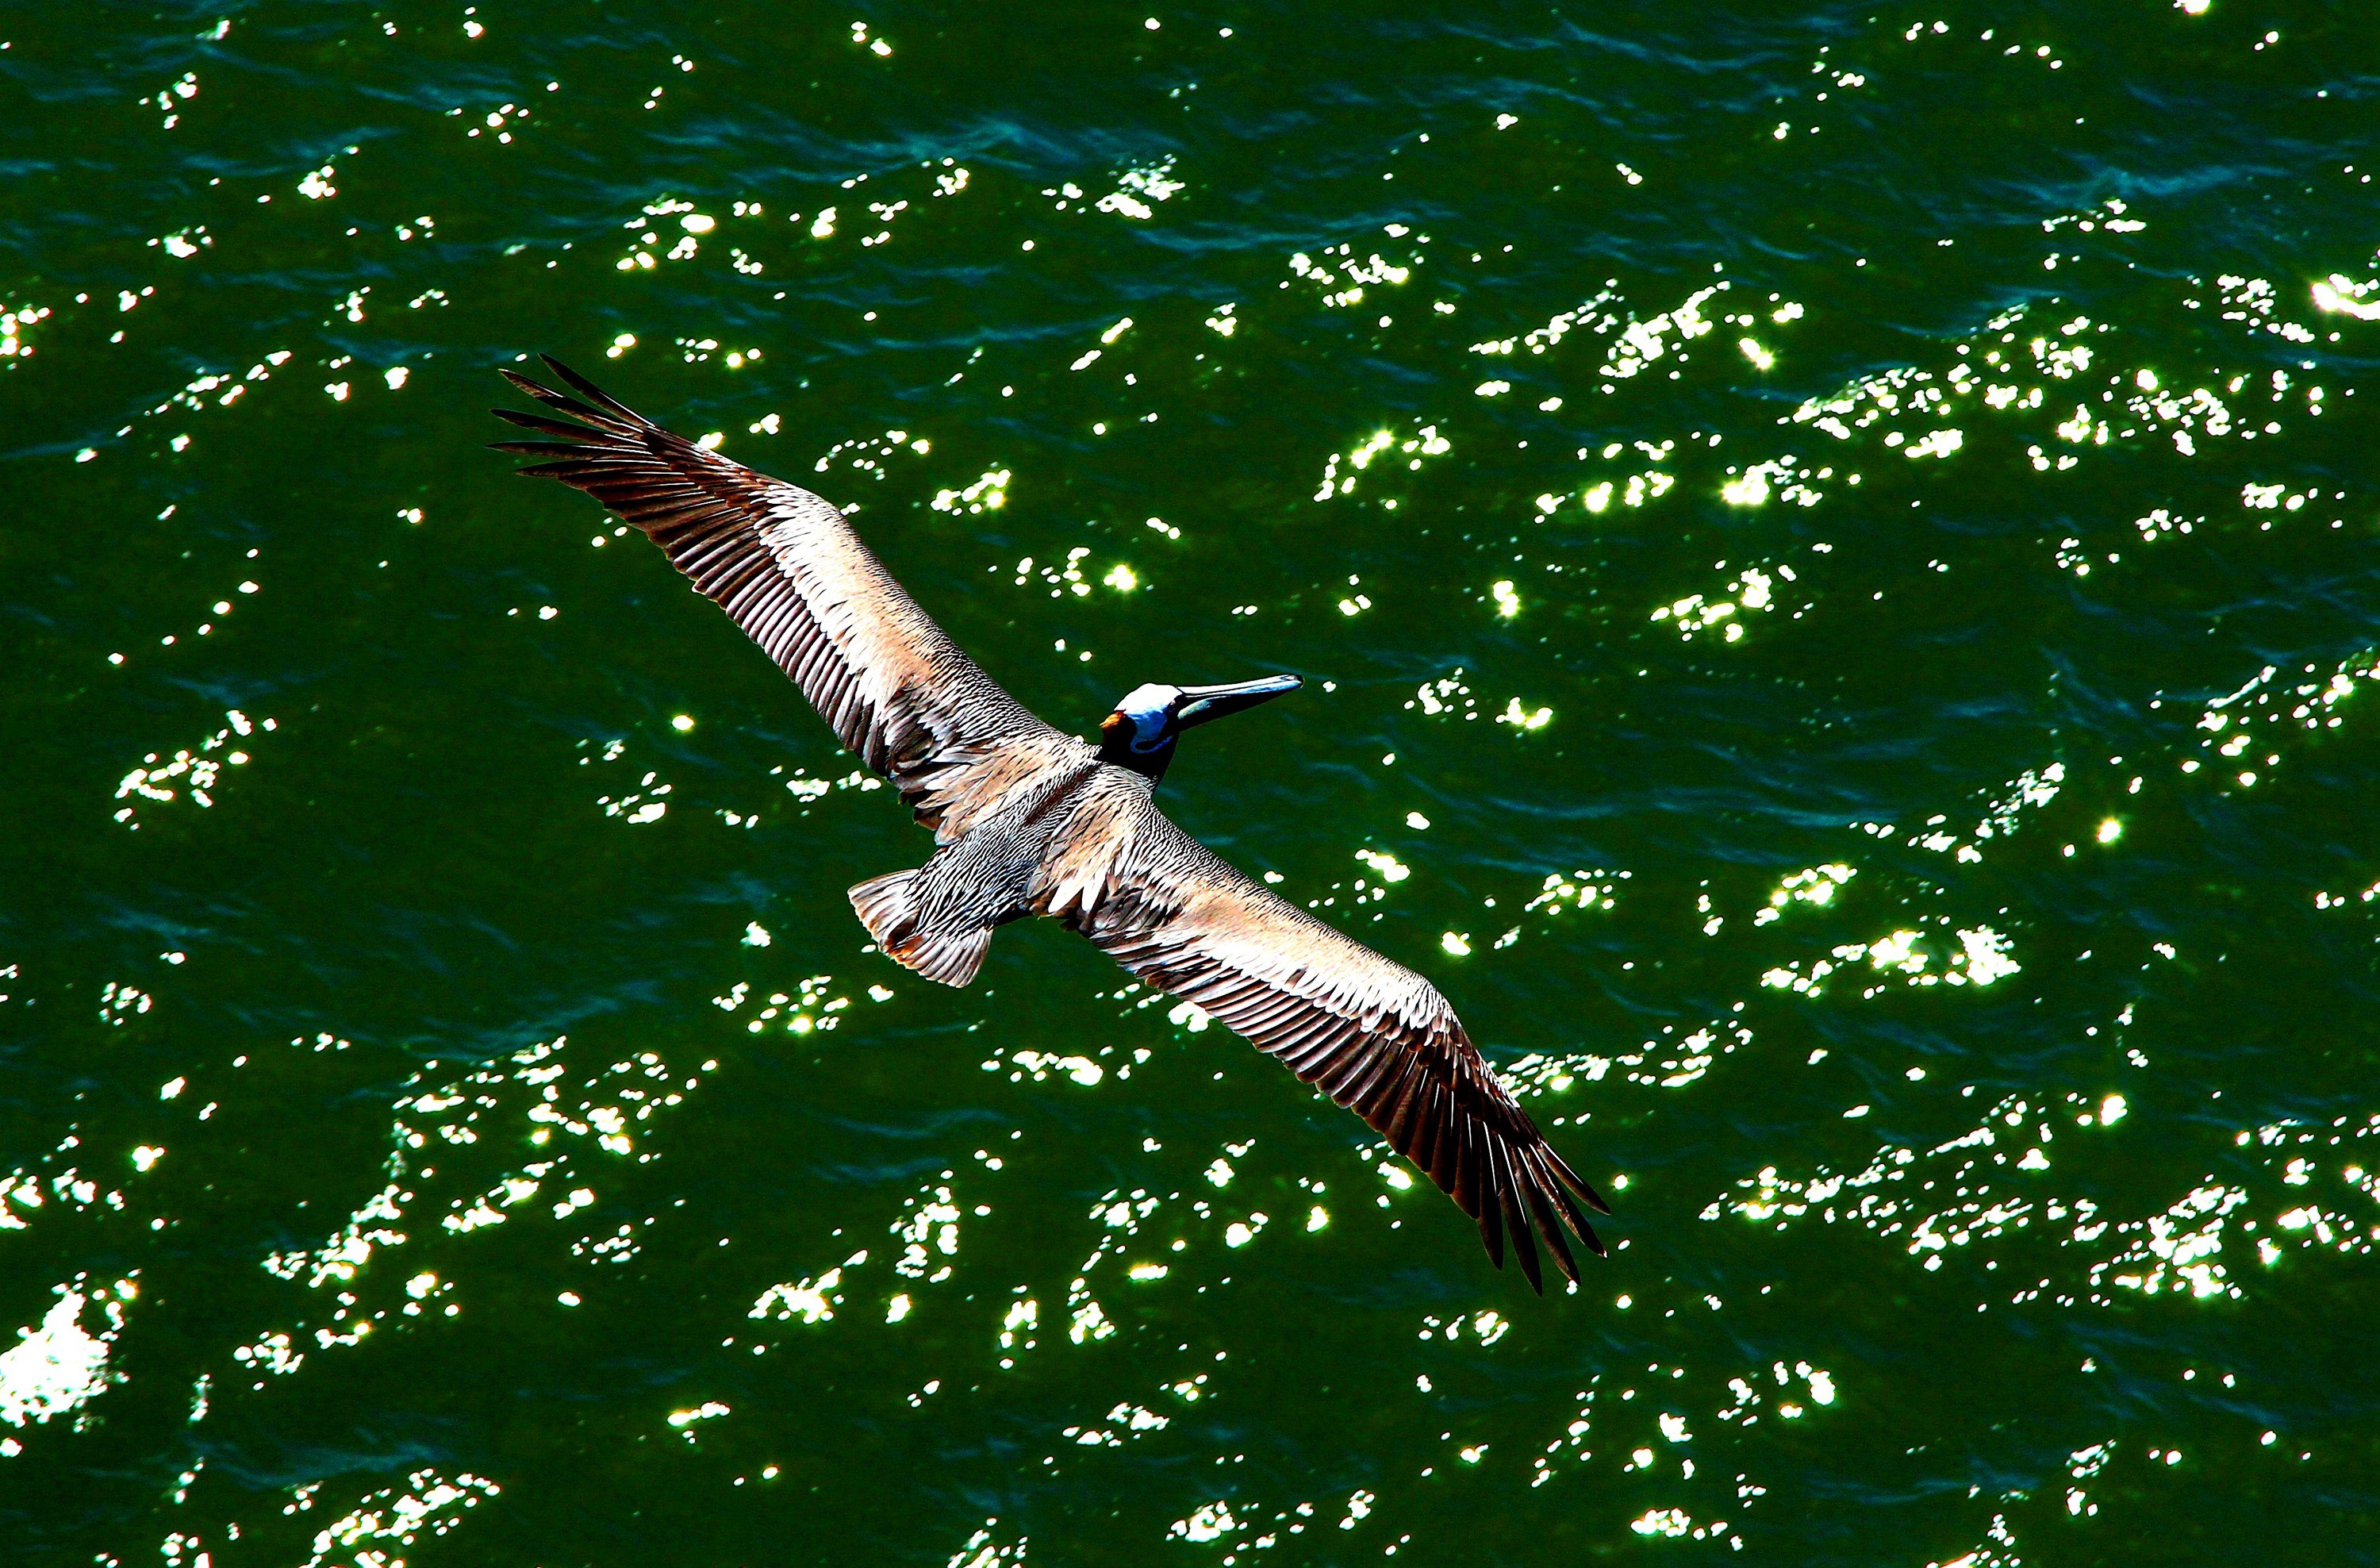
[1373, 1035]
[786, 566]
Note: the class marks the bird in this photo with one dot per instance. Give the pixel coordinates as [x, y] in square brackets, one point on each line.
[1029, 820]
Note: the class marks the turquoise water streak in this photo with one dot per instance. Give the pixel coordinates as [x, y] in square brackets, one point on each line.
[1833, 553]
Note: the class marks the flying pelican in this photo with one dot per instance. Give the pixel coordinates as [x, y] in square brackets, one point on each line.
[1030, 820]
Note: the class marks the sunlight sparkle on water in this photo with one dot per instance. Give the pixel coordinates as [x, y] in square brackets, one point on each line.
[1756, 800]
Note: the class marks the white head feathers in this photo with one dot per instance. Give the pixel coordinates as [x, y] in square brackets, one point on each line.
[1150, 708]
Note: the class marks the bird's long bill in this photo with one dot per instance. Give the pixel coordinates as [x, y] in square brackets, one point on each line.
[1200, 703]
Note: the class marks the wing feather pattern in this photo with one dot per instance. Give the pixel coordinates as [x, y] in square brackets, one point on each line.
[787, 568]
[1374, 1036]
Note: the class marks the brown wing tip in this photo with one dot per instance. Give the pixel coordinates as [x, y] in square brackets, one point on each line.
[1528, 1196]
[1569, 1178]
[1525, 1189]
[591, 392]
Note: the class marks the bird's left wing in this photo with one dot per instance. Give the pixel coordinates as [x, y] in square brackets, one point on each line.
[1374, 1036]
[787, 568]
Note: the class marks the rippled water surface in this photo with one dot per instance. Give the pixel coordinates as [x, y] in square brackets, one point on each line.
[1834, 555]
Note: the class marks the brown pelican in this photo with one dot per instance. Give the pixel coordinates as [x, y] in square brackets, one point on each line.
[1033, 822]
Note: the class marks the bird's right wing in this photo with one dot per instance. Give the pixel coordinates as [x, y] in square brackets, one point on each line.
[1371, 1034]
[787, 568]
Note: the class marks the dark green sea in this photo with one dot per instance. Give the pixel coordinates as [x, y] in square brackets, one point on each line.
[1835, 553]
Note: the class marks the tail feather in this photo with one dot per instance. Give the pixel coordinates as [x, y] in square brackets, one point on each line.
[888, 908]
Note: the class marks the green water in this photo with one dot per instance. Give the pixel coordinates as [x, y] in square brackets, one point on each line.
[1834, 557]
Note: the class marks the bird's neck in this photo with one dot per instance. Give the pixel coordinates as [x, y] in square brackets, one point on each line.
[1117, 749]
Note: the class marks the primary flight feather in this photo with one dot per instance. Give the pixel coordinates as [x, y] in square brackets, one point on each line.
[1030, 820]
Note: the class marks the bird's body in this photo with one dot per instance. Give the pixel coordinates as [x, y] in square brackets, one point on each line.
[1030, 820]
[939, 919]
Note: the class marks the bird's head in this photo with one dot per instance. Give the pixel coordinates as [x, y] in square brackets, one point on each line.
[1141, 732]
